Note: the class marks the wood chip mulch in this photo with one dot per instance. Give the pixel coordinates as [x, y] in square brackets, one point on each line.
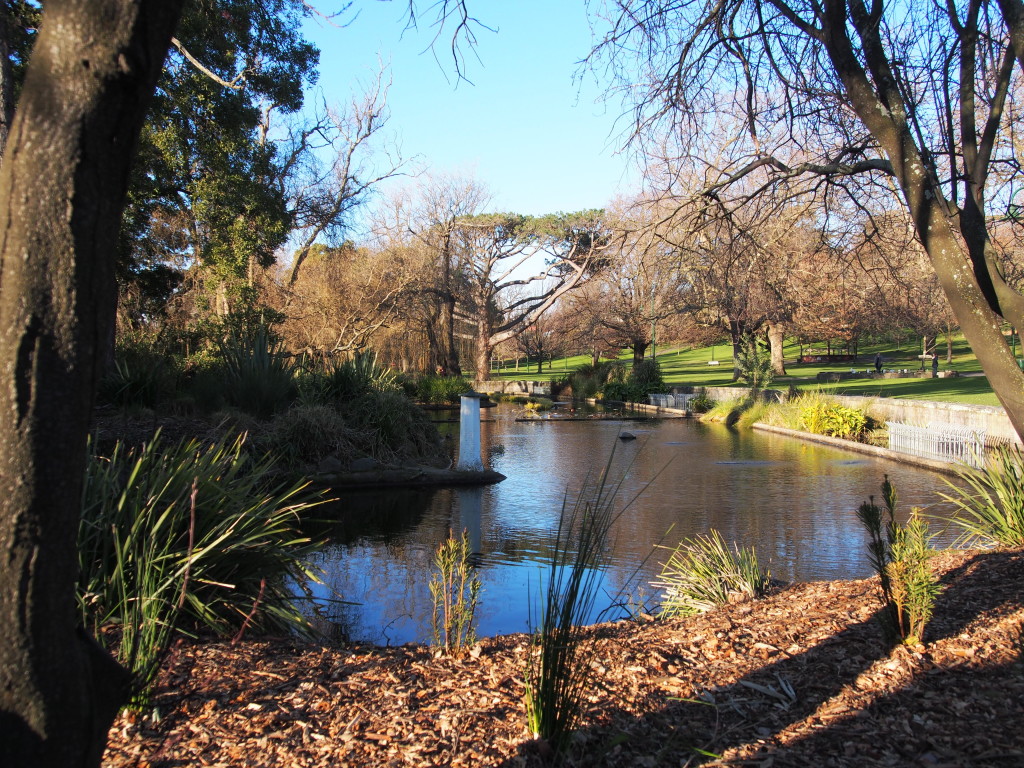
[801, 678]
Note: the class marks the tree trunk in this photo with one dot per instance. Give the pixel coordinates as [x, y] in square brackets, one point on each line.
[62, 192]
[736, 328]
[483, 350]
[449, 362]
[776, 339]
[639, 350]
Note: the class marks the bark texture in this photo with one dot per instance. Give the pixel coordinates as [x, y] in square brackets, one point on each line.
[62, 192]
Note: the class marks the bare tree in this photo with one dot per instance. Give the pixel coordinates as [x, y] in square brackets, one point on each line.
[330, 166]
[915, 99]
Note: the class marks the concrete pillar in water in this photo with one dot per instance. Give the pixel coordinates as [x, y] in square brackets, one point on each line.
[469, 432]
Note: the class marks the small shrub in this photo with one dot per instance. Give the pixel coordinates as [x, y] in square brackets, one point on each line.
[558, 670]
[701, 402]
[306, 434]
[646, 377]
[141, 376]
[442, 390]
[703, 572]
[389, 427]
[824, 417]
[900, 554]
[454, 591]
[539, 404]
[990, 503]
[335, 382]
[755, 362]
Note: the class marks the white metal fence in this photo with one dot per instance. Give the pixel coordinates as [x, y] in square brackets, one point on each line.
[956, 445]
[671, 401]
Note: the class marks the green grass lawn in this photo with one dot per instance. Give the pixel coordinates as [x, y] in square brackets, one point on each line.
[683, 366]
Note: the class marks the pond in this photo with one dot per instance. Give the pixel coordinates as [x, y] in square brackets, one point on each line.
[792, 500]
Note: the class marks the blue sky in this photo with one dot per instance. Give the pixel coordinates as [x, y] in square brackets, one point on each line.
[539, 141]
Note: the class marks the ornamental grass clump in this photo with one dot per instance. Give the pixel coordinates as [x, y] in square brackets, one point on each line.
[454, 591]
[990, 501]
[558, 667]
[184, 538]
[900, 554]
[704, 572]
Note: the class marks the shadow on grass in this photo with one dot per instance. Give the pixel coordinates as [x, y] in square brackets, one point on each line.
[925, 721]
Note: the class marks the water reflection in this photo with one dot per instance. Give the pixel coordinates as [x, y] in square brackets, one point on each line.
[794, 501]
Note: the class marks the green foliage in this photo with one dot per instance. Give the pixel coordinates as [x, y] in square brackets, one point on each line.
[206, 186]
[990, 502]
[539, 404]
[454, 591]
[702, 402]
[755, 362]
[703, 572]
[558, 670]
[305, 434]
[260, 379]
[586, 381]
[334, 382]
[186, 536]
[646, 377]
[824, 416]
[141, 376]
[442, 390]
[390, 427]
[900, 554]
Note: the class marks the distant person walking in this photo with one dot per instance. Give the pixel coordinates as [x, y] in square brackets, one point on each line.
[935, 365]
[878, 362]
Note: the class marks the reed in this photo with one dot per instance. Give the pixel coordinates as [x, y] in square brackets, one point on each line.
[558, 668]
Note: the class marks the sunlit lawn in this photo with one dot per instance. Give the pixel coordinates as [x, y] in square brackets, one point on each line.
[681, 366]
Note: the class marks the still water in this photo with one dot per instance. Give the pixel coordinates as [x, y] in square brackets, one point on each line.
[794, 501]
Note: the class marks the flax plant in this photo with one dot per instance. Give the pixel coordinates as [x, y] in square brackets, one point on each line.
[900, 554]
[455, 592]
[990, 503]
[184, 538]
[703, 572]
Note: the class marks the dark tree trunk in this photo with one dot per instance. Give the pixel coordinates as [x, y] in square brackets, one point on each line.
[449, 353]
[639, 350]
[62, 191]
[736, 329]
[6, 74]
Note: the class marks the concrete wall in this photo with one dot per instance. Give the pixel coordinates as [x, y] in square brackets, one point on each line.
[990, 418]
[541, 388]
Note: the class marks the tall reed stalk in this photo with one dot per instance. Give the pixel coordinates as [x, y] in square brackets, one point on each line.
[558, 670]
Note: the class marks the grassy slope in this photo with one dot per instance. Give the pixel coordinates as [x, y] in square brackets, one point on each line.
[690, 367]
